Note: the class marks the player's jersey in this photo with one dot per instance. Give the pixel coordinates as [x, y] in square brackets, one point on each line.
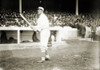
[42, 21]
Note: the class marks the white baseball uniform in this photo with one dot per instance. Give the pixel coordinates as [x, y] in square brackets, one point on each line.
[43, 24]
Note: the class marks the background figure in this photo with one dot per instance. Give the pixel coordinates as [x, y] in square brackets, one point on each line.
[34, 37]
[93, 32]
[81, 29]
[3, 37]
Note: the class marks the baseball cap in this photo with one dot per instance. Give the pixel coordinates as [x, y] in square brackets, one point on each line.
[41, 8]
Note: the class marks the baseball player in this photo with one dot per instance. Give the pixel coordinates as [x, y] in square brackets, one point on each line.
[43, 27]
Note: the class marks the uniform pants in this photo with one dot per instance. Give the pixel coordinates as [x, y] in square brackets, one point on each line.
[44, 38]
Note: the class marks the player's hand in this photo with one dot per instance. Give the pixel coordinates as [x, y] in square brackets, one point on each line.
[35, 28]
[32, 27]
[38, 29]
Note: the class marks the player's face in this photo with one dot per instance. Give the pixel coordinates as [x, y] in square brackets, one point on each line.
[39, 11]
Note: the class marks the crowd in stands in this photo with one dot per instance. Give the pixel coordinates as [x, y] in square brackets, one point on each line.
[10, 18]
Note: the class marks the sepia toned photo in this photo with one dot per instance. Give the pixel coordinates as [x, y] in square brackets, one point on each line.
[49, 34]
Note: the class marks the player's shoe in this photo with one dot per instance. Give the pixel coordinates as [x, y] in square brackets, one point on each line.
[47, 59]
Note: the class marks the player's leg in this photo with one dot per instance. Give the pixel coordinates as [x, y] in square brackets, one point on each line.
[47, 36]
[44, 37]
[42, 56]
[47, 56]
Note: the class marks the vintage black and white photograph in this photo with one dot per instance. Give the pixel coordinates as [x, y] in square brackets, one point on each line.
[49, 34]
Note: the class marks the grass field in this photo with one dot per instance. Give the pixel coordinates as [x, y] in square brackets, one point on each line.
[75, 55]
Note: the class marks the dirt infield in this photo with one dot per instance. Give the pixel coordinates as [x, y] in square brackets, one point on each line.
[75, 55]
